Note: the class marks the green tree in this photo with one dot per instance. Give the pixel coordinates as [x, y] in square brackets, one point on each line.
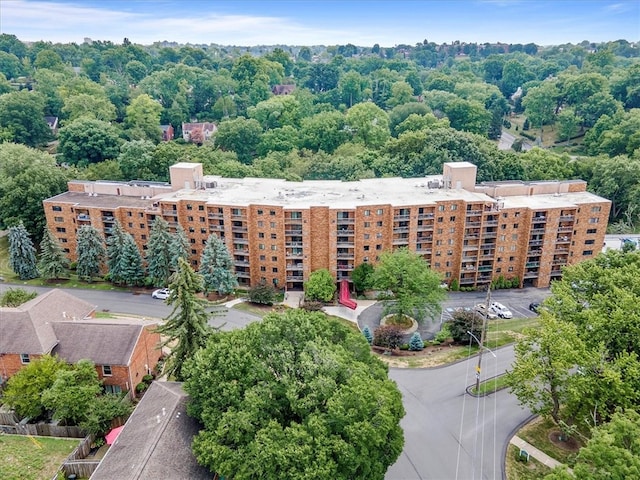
[86, 141]
[368, 124]
[20, 197]
[131, 267]
[22, 116]
[178, 248]
[85, 105]
[514, 75]
[568, 124]
[104, 408]
[159, 253]
[143, 119]
[185, 330]
[262, 293]
[544, 360]
[53, 262]
[24, 390]
[241, 136]
[388, 336]
[324, 131]
[115, 249]
[416, 343]
[294, 396]
[216, 267]
[415, 287]
[362, 277]
[22, 253]
[366, 331]
[469, 116]
[90, 252]
[137, 161]
[321, 286]
[462, 322]
[276, 112]
[14, 297]
[73, 393]
[540, 104]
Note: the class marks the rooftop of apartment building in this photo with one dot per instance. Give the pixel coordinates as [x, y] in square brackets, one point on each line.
[456, 184]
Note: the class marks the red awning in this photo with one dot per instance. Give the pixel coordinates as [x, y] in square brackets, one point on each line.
[113, 434]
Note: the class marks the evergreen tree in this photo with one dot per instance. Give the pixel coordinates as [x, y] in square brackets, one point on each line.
[159, 253]
[22, 253]
[53, 262]
[216, 267]
[416, 342]
[179, 248]
[130, 265]
[186, 329]
[366, 331]
[115, 245]
[90, 252]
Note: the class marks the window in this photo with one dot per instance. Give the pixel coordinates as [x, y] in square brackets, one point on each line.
[452, 218]
[439, 231]
[440, 219]
[367, 224]
[586, 253]
[596, 209]
[263, 258]
[61, 229]
[378, 224]
[190, 218]
[130, 224]
[140, 215]
[260, 223]
[272, 224]
[438, 242]
[260, 235]
[274, 259]
[112, 389]
[365, 259]
[511, 269]
[380, 211]
[203, 230]
[441, 208]
[447, 264]
[503, 238]
[447, 274]
[259, 211]
[589, 242]
[499, 259]
[106, 370]
[449, 252]
[378, 235]
[191, 229]
[201, 219]
[450, 241]
[56, 208]
[454, 207]
[143, 237]
[64, 240]
[511, 259]
[438, 253]
[517, 214]
[129, 213]
[272, 212]
[367, 213]
[498, 270]
[505, 215]
[366, 236]
[436, 264]
[501, 249]
[452, 230]
[366, 248]
[24, 358]
[515, 225]
[594, 220]
[273, 236]
[58, 219]
[201, 208]
[261, 246]
[189, 206]
[503, 226]
[142, 225]
[263, 268]
[514, 236]
[274, 269]
[274, 247]
[378, 247]
[591, 231]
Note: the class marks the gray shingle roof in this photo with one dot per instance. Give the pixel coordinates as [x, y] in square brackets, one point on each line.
[104, 344]
[28, 328]
[156, 440]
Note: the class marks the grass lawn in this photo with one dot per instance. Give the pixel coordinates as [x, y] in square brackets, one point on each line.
[539, 432]
[33, 458]
[491, 386]
[518, 470]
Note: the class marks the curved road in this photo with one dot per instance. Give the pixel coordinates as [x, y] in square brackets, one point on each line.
[448, 434]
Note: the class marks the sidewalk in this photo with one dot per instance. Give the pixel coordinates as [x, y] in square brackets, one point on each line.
[535, 453]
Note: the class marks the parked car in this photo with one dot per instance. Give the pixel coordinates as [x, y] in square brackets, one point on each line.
[161, 294]
[500, 310]
[481, 308]
[534, 307]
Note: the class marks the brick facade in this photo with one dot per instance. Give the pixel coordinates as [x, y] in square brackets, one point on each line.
[279, 232]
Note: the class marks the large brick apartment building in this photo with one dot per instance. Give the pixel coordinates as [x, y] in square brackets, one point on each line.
[280, 231]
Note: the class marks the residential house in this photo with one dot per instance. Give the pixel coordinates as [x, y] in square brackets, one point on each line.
[156, 440]
[53, 124]
[198, 132]
[58, 323]
[283, 89]
[167, 132]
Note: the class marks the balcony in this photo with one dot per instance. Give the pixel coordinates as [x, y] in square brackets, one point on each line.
[423, 251]
[487, 256]
[561, 250]
[293, 244]
[400, 241]
[239, 229]
[238, 215]
[490, 223]
[108, 219]
[424, 228]
[294, 267]
[466, 248]
[532, 264]
[530, 274]
[556, 273]
[559, 261]
[400, 229]
[485, 268]
[171, 213]
[295, 278]
[471, 213]
[216, 228]
[83, 217]
[472, 224]
[294, 232]
[241, 251]
[566, 218]
[535, 243]
[346, 221]
[239, 262]
[489, 234]
[214, 216]
[565, 229]
[540, 219]
[292, 221]
[240, 240]
[563, 240]
[243, 274]
[467, 280]
[294, 255]
[345, 243]
[538, 230]
[469, 268]
[469, 258]
[401, 217]
[346, 231]
[344, 268]
[425, 216]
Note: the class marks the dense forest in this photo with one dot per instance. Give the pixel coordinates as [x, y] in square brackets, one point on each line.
[567, 111]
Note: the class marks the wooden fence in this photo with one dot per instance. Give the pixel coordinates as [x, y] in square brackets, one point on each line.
[8, 418]
[75, 463]
[43, 430]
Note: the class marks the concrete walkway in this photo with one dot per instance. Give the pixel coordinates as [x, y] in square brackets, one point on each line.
[348, 314]
[535, 453]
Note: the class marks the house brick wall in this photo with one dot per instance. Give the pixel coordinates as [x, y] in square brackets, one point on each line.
[10, 364]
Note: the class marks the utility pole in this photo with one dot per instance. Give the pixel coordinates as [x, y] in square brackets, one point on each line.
[482, 335]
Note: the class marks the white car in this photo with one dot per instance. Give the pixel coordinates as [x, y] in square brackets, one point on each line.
[500, 310]
[481, 308]
[162, 293]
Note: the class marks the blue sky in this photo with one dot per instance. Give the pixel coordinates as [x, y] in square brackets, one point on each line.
[328, 22]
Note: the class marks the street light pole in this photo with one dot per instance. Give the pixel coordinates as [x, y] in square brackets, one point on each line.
[482, 336]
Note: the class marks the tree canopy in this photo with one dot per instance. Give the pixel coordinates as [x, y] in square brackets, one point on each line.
[294, 396]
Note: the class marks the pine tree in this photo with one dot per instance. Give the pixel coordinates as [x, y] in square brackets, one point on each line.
[22, 253]
[90, 252]
[366, 331]
[115, 244]
[179, 247]
[130, 266]
[159, 253]
[53, 262]
[186, 329]
[416, 342]
[216, 267]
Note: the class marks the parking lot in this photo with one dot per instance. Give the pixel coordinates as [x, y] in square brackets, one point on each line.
[516, 300]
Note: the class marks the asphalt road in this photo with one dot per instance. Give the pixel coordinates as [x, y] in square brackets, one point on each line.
[143, 305]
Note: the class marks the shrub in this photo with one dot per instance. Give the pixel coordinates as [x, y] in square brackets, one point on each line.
[443, 334]
[15, 297]
[389, 336]
[454, 286]
[141, 387]
[404, 346]
[312, 305]
[506, 123]
[416, 344]
[526, 125]
[366, 331]
[263, 293]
